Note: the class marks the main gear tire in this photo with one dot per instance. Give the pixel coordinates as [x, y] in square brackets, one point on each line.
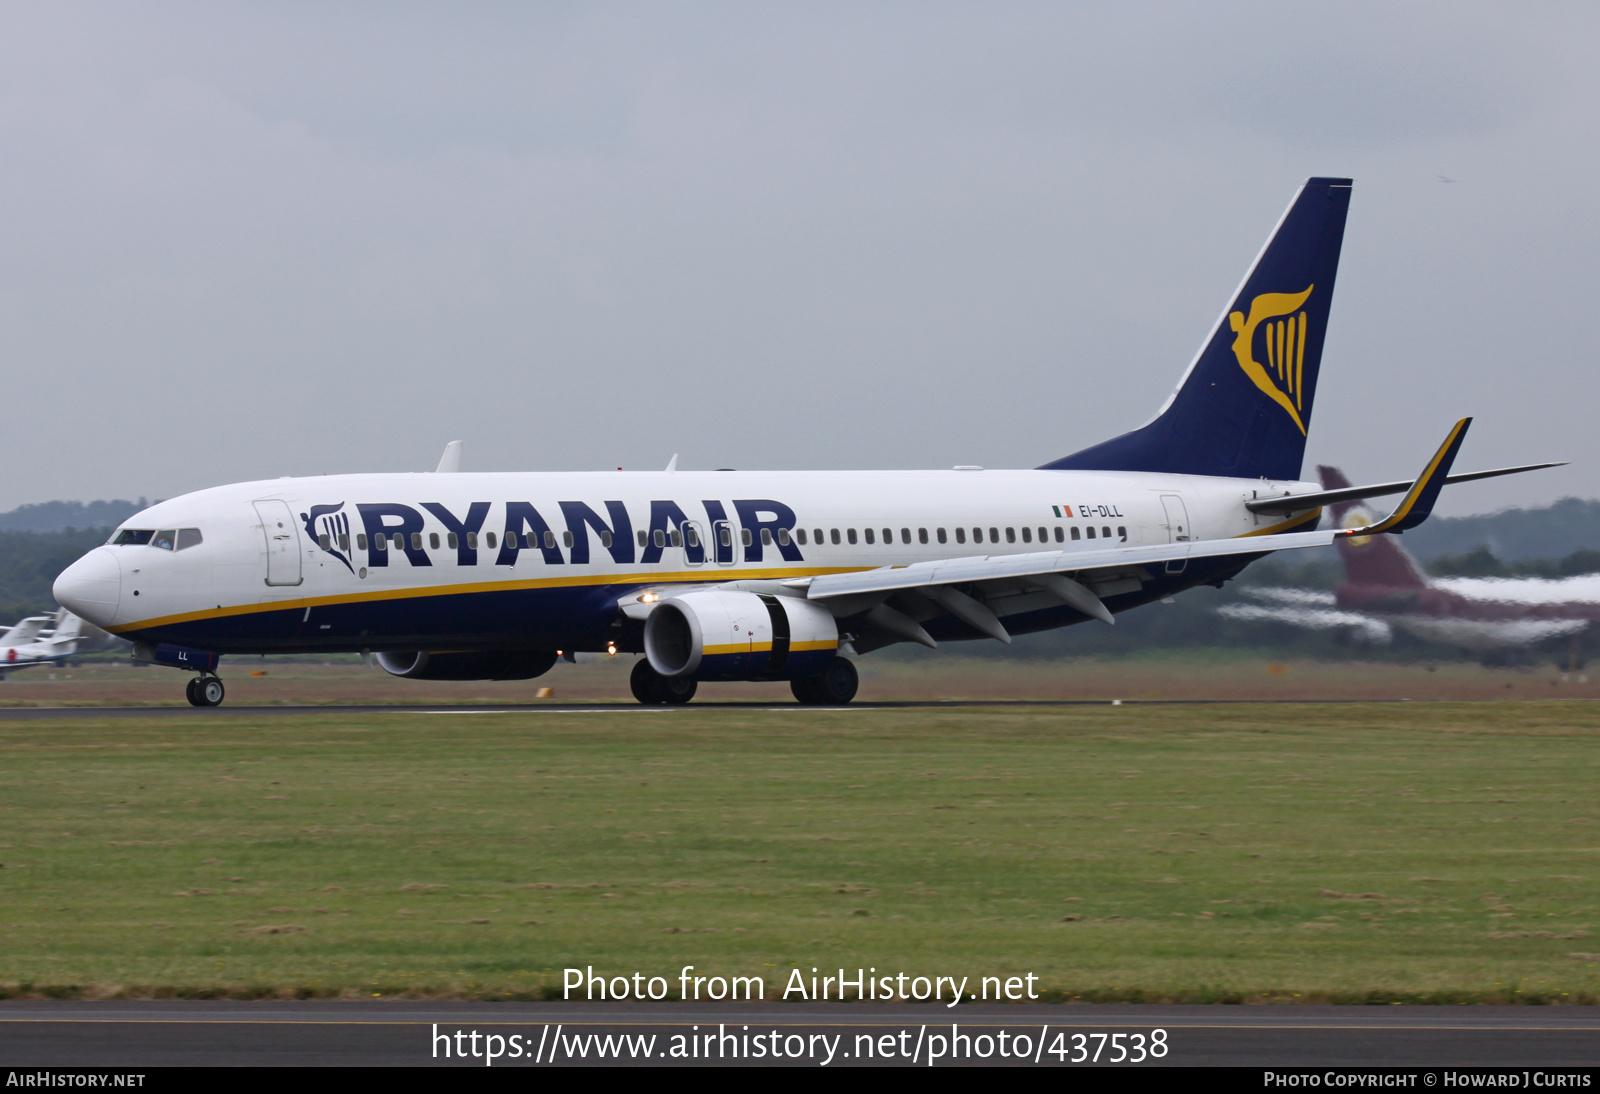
[678, 690]
[834, 687]
[647, 684]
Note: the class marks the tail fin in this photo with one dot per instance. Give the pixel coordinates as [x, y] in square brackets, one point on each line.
[1243, 407]
[69, 629]
[1369, 560]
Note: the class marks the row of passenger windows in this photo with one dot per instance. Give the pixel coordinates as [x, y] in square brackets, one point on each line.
[168, 539]
[1061, 535]
[689, 537]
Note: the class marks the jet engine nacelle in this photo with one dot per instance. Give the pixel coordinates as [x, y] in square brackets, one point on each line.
[724, 635]
[470, 665]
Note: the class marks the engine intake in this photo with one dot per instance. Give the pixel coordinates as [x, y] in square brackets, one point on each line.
[470, 665]
[716, 635]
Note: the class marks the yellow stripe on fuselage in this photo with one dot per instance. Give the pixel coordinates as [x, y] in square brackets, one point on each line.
[680, 577]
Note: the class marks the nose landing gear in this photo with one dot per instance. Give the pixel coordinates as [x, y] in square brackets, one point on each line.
[205, 691]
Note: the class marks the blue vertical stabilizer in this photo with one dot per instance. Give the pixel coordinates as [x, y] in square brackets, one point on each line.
[1243, 408]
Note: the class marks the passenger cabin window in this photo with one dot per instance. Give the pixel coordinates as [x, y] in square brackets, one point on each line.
[325, 541]
[800, 536]
[850, 534]
[451, 541]
[905, 535]
[783, 537]
[766, 537]
[643, 542]
[961, 535]
[605, 540]
[1027, 535]
[189, 537]
[1105, 533]
[1122, 533]
[1091, 531]
[549, 540]
[692, 536]
[380, 543]
[817, 535]
[566, 538]
[660, 538]
[745, 537]
[472, 541]
[416, 541]
[1011, 535]
[675, 538]
[433, 541]
[922, 535]
[361, 541]
[1075, 534]
[833, 534]
[871, 536]
[941, 535]
[1043, 535]
[994, 535]
[1058, 533]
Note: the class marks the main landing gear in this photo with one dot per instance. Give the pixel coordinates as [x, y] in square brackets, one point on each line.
[653, 689]
[834, 686]
[205, 691]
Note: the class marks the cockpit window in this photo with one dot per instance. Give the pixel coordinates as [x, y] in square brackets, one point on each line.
[189, 537]
[132, 537]
[166, 539]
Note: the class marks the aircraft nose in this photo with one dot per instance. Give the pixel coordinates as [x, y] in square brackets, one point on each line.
[91, 587]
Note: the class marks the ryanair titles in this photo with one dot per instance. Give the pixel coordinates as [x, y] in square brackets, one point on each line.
[382, 530]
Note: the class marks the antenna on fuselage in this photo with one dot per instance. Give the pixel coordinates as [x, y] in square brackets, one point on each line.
[450, 462]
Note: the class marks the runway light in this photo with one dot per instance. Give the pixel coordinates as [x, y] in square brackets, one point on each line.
[611, 648]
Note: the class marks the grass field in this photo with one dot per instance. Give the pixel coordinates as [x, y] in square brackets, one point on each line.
[1422, 852]
[1156, 674]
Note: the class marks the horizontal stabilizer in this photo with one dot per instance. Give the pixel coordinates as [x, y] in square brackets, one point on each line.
[1299, 503]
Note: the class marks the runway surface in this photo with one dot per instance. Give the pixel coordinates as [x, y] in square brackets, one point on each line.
[411, 1034]
[26, 714]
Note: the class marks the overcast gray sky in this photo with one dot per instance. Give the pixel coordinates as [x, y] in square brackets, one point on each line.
[240, 240]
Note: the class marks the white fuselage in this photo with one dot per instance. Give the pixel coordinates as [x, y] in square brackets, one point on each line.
[542, 557]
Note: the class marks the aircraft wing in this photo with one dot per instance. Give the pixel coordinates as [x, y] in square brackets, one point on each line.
[1083, 564]
[1081, 579]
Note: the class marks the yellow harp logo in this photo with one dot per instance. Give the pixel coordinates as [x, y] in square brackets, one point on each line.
[1282, 376]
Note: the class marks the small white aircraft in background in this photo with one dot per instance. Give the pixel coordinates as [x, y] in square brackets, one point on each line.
[40, 640]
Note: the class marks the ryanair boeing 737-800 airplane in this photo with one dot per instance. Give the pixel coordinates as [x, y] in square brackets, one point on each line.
[757, 575]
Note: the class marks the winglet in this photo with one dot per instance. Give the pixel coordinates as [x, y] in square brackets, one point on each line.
[1416, 506]
[450, 462]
